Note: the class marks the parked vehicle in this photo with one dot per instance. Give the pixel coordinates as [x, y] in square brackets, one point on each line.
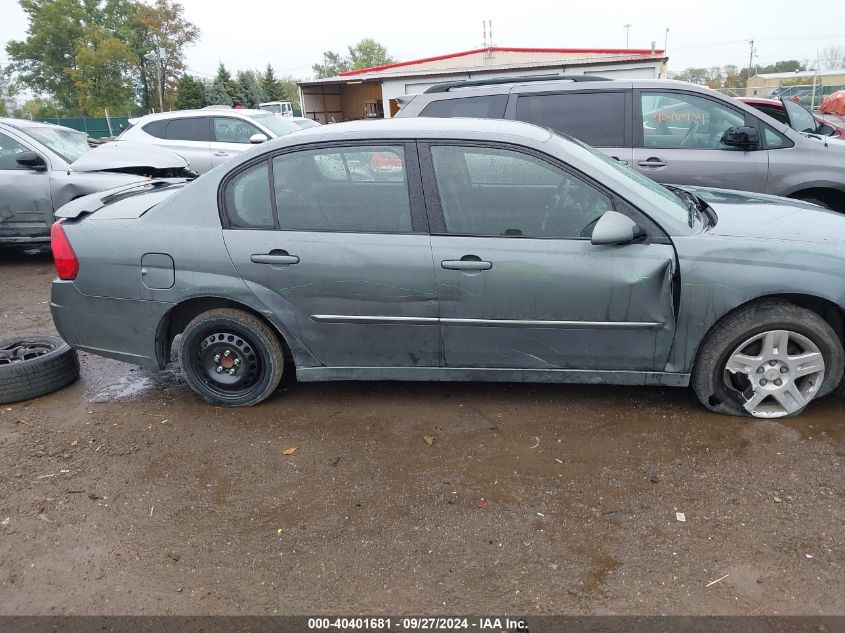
[285, 108]
[207, 137]
[673, 132]
[497, 251]
[776, 109]
[43, 166]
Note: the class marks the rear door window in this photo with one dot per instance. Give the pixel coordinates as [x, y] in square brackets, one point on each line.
[155, 128]
[357, 189]
[187, 129]
[597, 118]
[484, 107]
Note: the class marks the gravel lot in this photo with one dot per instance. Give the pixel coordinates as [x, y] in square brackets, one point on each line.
[126, 494]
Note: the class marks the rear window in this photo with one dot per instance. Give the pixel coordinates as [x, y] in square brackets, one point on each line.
[155, 128]
[487, 107]
[597, 118]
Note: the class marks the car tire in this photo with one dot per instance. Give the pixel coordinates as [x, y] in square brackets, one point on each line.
[231, 358]
[34, 366]
[735, 339]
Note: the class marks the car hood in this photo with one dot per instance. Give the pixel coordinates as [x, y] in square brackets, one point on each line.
[751, 215]
[130, 157]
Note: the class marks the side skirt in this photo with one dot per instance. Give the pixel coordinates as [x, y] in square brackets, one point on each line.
[449, 374]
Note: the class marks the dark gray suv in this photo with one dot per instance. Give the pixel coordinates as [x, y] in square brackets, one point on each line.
[671, 131]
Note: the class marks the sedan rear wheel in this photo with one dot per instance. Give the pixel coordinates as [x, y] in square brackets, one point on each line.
[231, 358]
[768, 361]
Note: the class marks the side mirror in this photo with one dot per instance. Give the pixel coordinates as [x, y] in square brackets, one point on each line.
[615, 228]
[257, 138]
[825, 130]
[745, 136]
[31, 159]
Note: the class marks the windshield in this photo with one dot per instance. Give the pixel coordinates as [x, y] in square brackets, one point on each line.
[279, 125]
[69, 144]
[653, 190]
[800, 118]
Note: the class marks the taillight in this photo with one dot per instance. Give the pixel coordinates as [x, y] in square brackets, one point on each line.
[63, 256]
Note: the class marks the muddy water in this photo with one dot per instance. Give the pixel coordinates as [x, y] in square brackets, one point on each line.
[124, 493]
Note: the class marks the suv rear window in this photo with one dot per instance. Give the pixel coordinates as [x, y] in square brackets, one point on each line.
[189, 129]
[487, 107]
[597, 118]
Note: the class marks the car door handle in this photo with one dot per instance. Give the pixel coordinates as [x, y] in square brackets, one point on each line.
[273, 258]
[220, 154]
[652, 162]
[620, 160]
[467, 262]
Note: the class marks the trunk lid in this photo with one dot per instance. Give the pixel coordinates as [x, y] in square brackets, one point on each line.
[125, 202]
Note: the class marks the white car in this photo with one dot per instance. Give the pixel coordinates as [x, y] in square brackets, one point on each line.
[206, 138]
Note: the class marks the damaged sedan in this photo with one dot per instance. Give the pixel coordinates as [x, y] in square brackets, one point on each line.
[456, 249]
[43, 166]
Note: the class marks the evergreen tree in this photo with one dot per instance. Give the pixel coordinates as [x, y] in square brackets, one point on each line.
[270, 84]
[216, 94]
[190, 93]
[250, 89]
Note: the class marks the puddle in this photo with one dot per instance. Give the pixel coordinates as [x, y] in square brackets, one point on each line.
[126, 387]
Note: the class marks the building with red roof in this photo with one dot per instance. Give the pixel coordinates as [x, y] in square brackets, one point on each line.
[372, 92]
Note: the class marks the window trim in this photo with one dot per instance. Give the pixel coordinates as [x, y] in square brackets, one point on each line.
[437, 222]
[413, 180]
[627, 108]
[639, 141]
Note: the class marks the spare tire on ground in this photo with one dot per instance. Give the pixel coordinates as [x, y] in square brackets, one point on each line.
[32, 366]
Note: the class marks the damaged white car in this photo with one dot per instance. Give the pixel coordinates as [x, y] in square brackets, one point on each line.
[44, 166]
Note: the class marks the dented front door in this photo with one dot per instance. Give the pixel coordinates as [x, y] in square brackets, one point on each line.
[26, 208]
[554, 304]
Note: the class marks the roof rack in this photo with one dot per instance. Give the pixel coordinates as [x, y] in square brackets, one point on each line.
[492, 81]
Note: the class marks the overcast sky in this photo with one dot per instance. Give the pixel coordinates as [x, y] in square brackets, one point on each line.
[293, 35]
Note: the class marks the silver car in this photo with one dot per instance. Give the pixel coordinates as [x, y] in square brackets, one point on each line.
[43, 166]
[207, 137]
[671, 131]
[456, 249]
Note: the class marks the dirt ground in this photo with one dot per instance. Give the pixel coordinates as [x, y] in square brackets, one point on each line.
[126, 494]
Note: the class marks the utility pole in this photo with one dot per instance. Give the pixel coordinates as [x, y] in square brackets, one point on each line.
[666, 41]
[750, 57]
[157, 57]
[627, 28]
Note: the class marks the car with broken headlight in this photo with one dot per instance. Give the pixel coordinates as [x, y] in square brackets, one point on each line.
[43, 166]
[456, 249]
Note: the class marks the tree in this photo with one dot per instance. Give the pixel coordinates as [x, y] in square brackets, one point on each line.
[100, 71]
[333, 64]
[368, 53]
[160, 34]
[216, 94]
[39, 108]
[270, 84]
[249, 89]
[364, 54]
[190, 93]
[785, 66]
[832, 58]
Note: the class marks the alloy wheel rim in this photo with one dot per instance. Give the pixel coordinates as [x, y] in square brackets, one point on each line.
[776, 373]
[228, 363]
[19, 351]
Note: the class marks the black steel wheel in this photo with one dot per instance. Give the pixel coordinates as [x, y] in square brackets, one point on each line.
[231, 358]
[33, 366]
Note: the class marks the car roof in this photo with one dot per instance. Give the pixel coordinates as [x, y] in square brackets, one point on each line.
[420, 127]
[22, 124]
[236, 112]
[496, 86]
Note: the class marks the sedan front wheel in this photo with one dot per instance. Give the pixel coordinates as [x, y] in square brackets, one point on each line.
[768, 361]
